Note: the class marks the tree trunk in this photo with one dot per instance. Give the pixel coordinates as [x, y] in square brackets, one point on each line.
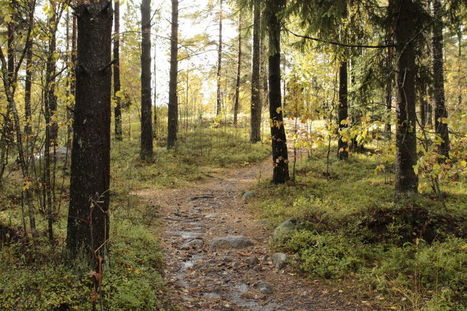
[423, 108]
[279, 141]
[406, 26]
[117, 84]
[88, 218]
[389, 86]
[27, 95]
[264, 74]
[441, 113]
[459, 66]
[219, 63]
[173, 96]
[51, 128]
[342, 146]
[256, 104]
[239, 68]
[146, 152]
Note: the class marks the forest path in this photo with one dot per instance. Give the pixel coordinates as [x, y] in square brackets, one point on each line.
[204, 277]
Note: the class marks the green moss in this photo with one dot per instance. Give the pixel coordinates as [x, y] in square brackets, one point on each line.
[352, 228]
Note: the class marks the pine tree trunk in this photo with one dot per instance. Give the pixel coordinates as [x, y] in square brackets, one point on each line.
[342, 146]
[117, 84]
[279, 141]
[239, 68]
[264, 71]
[406, 26]
[256, 104]
[219, 64]
[441, 113]
[88, 218]
[51, 129]
[389, 87]
[27, 94]
[423, 109]
[173, 96]
[459, 66]
[146, 152]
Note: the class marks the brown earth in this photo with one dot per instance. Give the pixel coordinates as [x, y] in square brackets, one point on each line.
[201, 277]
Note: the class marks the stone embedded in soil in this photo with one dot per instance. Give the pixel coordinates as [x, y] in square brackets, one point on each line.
[227, 259]
[247, 195]
[186, 234]
[232, 241]
[279, 260]
[192, 244]
[285, 229]
[252, 260]
[264, 287]
[212, 295]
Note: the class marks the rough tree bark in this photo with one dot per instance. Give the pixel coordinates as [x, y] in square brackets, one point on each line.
[256, 104]
[279, 141]
[117, 84]
[406, 25]
[441, 113]
[219, 63]
[88, 218]
[239, 68]
[342, 112]
[173, 96]
[146, 152]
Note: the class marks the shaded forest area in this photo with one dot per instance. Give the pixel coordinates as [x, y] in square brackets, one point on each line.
[358, 107]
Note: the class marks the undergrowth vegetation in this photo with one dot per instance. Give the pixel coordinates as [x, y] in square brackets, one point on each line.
[36, 275]
[413, 252]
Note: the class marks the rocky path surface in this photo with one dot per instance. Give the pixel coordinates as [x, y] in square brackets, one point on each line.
[218, 255]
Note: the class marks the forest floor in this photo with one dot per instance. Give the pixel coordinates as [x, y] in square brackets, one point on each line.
[205, 277]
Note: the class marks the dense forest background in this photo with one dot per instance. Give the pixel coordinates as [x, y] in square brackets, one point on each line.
[358, 106]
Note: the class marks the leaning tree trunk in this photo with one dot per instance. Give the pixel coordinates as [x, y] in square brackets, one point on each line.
[173, 97]
[219, 64]
[406, 27]
[239, 68]
[343, 114]
[146, 151]
[279, 141]
[441, 113]
[88, 217]
[117, 84]
[256, 104]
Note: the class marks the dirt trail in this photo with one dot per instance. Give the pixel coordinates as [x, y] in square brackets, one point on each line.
[207, 278]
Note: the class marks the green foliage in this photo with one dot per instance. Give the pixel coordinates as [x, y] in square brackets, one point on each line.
[326, 255]
[196, 155]
[39, 278]
[414, 251]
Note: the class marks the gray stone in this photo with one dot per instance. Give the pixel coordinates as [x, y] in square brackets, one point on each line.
[192, 244]
[232, 241]
[227, 259]
[264, 287]
[242, 287]
[252, 260]
[279, 260]
[212, 295]
[248, 195]
[285, 229]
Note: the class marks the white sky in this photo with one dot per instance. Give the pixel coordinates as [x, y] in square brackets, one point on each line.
[188, 28]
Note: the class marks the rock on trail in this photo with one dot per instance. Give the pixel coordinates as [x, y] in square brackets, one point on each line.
[218, 255]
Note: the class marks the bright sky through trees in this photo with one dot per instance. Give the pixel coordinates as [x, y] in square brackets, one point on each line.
[205, 58]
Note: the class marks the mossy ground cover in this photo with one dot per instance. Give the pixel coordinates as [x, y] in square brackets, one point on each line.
[412, 252]
[36, 276]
